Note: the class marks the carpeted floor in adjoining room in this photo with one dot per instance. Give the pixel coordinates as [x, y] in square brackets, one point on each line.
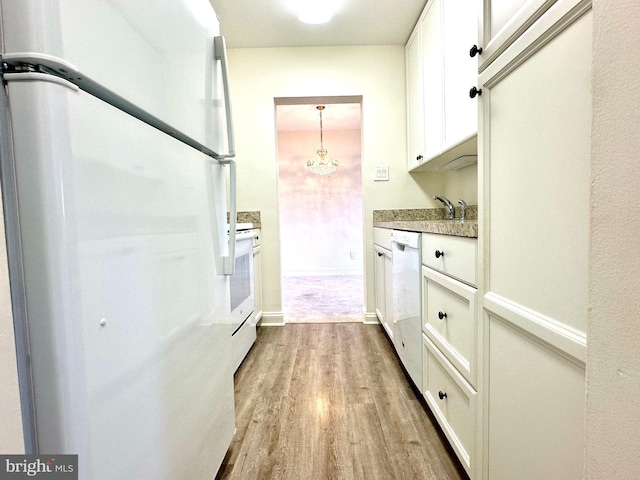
[323, 299]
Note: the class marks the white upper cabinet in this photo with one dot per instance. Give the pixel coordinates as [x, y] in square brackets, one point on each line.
[442, 118]
[415, 101]
[504, 21]
[433, 88]
[460, 33]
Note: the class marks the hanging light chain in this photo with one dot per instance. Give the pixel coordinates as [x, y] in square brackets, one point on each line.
[321, 108]
[321, 165]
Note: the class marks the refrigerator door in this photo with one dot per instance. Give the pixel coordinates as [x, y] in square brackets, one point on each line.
[127, 315]
[158, 54]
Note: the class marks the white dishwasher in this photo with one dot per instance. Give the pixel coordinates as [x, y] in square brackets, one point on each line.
[406, 281]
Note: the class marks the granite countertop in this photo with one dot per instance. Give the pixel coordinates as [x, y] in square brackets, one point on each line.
[430, 220]
[248, 219]
[466, 228]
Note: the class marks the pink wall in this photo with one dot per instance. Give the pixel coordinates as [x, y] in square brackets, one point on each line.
[320, 216]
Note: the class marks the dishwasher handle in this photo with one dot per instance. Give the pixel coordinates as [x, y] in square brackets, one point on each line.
[405, 238]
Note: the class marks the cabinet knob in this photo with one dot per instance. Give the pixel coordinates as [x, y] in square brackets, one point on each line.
[442, 395]
[380, 254]
[442, 315]
[439, 254]
[475, 91]
[475, 50]
[419, 157]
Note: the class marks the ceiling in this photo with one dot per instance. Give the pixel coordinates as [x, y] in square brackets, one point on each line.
[274, 23]
[336, 116]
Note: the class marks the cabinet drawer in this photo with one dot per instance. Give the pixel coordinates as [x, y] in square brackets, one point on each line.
[382, 237]
[449, 319]
[455, 256]
[452, 401]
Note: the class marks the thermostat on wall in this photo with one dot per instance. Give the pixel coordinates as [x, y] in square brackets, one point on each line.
[382, 174]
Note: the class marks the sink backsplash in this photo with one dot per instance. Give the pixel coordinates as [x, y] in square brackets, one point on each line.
[417, 214]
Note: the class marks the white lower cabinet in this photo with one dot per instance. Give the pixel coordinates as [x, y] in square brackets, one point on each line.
[453, 256]
[450, 351]
[535, 416]
[382, 278]
[453, 402]
[449, 319]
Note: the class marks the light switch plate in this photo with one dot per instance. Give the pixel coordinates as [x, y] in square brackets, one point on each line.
[382, 174]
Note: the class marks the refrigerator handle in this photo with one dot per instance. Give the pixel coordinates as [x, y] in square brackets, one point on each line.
[220, 53]
[39, 66]
[230, 261]
[222, 221]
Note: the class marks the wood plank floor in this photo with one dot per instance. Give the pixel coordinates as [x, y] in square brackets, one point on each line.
[330, 401]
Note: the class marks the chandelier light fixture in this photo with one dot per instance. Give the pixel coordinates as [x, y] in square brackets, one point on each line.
[321, 165]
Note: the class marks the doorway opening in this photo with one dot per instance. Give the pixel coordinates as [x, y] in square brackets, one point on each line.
[321, 216]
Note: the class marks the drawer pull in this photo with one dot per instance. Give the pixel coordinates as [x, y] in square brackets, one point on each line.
[475, 50]
[475, 91]
[442, 395]
[442, 315]
[439, 253]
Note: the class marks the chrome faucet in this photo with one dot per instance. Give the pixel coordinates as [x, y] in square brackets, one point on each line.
[463, 209]
[448, 205]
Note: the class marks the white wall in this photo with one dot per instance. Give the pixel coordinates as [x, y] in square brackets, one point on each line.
[613, 363]
[377, 74]
[320, 215]
[462, 184]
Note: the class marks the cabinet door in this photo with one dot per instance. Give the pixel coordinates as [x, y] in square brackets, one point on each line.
[415, 99]
[536, 130]
[537, 145]
[536, 408]
[388, 292]
[382, 281]
[504, 21]
[433, 79]
[460, 32]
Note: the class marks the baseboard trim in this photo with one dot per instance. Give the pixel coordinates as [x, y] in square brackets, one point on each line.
[371, 319]
[272, 319]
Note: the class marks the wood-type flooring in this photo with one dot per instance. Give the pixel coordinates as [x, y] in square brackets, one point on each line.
[330, 401]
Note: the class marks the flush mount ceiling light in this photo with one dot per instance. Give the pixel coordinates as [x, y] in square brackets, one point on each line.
[321, 165]
[315, 11]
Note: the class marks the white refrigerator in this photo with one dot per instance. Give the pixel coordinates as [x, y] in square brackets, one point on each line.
[116, 142]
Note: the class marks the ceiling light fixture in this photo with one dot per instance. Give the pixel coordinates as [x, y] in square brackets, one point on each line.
[315, 11]
[321, 165]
